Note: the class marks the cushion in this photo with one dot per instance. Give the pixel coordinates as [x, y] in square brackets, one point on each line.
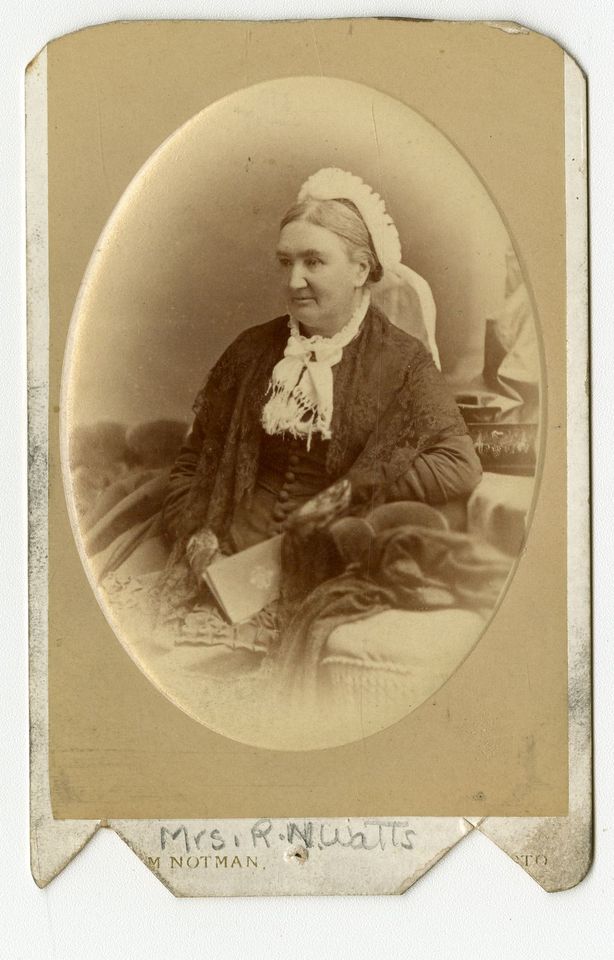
[413, 649]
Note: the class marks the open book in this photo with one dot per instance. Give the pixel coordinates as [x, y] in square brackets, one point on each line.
[245, 582]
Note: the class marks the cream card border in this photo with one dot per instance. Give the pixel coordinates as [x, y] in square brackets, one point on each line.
[299, 855]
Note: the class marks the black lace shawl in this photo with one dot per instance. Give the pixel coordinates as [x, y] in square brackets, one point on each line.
[390, 403]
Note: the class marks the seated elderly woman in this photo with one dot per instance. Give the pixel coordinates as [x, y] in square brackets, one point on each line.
[332, 390]
[328, 411]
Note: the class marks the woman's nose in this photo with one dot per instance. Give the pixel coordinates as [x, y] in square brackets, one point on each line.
[296, 279]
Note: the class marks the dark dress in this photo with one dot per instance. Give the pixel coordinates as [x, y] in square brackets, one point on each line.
[396, 435]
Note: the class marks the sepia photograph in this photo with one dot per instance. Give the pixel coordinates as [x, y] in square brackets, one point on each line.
[301, 413]
[308, 476]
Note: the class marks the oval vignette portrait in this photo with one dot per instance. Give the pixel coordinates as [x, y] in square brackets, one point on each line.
[300, 414]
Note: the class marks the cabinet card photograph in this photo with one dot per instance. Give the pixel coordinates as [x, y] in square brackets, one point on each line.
[308, 448]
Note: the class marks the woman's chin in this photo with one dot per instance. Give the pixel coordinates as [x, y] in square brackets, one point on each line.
[304, 304]
[306, 312]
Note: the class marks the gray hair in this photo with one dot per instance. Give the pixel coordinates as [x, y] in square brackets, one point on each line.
[341, 217]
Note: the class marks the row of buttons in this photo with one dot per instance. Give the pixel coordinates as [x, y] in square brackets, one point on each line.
[285, 504]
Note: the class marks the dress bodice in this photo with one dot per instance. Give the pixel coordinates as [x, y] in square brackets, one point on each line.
[396, 434]
[288, 475]
[286, 464]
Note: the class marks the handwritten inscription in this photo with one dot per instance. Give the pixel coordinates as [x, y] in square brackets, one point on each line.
[365, 835]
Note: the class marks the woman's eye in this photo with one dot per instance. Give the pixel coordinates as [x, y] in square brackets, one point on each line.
[283, 262]
[312, 263]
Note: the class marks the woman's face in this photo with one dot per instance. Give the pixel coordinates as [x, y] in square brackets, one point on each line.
[321, 283]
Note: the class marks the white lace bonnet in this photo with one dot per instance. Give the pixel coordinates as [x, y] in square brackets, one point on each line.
[402, 294]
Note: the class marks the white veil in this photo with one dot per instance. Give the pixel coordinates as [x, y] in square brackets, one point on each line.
[402, 294]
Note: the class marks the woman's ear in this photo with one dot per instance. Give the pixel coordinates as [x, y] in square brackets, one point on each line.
[362, 272]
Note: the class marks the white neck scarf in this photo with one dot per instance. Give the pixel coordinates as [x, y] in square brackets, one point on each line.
[301, 385]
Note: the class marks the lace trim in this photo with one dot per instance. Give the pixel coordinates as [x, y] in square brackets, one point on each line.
[301, 385]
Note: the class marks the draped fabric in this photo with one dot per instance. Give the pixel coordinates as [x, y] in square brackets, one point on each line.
[403, 567]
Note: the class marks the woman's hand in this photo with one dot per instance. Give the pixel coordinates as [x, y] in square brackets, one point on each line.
[318, 512]
[201, 550]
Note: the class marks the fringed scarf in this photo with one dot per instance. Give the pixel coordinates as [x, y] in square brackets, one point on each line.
[301, 385]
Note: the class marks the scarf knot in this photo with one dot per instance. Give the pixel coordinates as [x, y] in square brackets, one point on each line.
[301, 386]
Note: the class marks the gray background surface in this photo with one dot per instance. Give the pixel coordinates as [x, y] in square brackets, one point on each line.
[187, 260]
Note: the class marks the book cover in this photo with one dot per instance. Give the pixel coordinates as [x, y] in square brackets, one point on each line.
[246, 582]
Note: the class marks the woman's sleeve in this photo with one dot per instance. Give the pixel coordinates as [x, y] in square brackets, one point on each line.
[443, 471]
[423, 451]
[180, 480]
